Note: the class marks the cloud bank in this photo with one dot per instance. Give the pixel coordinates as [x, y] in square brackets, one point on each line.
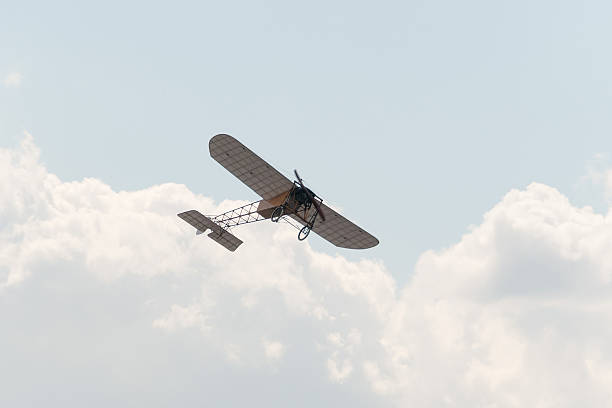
[108, 298]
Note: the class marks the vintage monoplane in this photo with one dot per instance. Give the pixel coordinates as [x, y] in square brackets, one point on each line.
[282, 199]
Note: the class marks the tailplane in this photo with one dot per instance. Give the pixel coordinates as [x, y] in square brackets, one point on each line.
[218, 234]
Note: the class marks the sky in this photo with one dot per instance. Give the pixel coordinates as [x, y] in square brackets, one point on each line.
[472, 139]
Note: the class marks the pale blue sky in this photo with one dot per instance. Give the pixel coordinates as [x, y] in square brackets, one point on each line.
[413, 117]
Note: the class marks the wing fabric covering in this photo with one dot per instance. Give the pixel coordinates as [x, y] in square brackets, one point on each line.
[340, 231]
[251, 169]
[218, 234]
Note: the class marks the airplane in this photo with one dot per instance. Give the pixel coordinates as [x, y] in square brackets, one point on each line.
[282, 199]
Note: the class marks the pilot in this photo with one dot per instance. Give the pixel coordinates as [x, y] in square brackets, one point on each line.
[301, 196]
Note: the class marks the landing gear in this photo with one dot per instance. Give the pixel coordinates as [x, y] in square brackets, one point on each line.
[299, 205]
[304, 233]
[277, 213]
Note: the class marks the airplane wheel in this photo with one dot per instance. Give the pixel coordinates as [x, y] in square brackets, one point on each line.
[303, 233]
[277, 213]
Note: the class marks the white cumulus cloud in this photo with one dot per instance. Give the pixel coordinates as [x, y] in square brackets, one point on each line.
[599, 174]
[13, 80]
[274, 349]
[110, 294]
[181, 317]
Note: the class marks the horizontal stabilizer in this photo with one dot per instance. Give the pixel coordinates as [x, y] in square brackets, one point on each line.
[226, 239]
[202, 223]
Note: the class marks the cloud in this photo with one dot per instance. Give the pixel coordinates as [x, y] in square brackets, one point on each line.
[599, 174]
[181, 317]
[274, 349]
[13, 80]
[338, 372]
[508, 315]
[110, 294]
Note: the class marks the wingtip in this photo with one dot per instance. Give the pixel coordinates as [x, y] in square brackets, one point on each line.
[217, 139]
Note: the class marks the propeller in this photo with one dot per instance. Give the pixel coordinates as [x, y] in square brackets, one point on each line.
[310, 196]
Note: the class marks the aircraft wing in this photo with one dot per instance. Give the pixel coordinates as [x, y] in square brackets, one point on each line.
[251, 169]
[340, 231]
[266, 181]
